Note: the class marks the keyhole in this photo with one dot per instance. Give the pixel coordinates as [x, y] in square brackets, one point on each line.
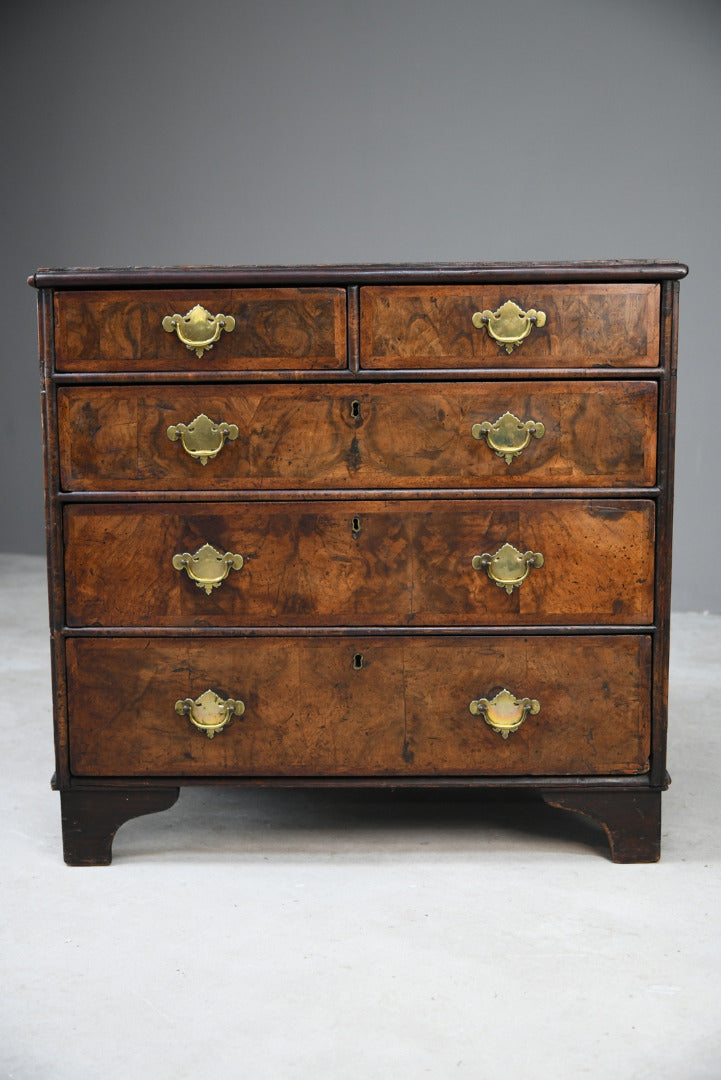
[358, 661]
[355, 409]
[355, 526]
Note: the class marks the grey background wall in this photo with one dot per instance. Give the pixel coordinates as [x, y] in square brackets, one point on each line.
[163, 132]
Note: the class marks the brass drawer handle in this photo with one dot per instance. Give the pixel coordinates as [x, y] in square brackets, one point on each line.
[198, 330]
[208, 568]
[510, 325]
[203, 438]
[504, 712]
[508, 568]
[209, 713]
[508, 436]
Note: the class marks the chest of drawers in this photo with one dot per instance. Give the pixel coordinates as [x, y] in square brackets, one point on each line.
[406, 526]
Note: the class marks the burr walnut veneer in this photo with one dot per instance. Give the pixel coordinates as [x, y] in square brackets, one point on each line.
[398, 526]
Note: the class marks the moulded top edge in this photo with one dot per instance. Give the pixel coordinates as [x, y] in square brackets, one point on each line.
[620, 270]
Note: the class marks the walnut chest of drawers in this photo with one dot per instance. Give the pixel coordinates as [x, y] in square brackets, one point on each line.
[399, 526]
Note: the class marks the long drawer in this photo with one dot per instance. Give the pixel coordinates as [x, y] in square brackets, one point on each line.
[359, 562]
[359, 706]
[403, 435]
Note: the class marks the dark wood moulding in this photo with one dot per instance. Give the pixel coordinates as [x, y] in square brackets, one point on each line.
[351, 377]
[622, 270]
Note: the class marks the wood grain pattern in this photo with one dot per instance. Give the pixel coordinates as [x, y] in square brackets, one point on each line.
[594, 705]
[610, 325]
[405, 712]
[406, 435]
[275, 329]
[408, 564]
[307, 710]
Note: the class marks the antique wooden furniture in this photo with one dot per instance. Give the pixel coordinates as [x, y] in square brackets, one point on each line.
[406, 526]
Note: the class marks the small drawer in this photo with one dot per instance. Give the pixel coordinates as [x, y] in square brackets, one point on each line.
[392, 436]
[361, 563]
[310, 706]
[359, 707]
[274, 329]
[593, 698]
[569, 326]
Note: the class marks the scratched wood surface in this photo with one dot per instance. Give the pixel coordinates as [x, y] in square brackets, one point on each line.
[380, 436]
[276, 329]
[361, 563]
[593, 693]
[405, 711]
[420, 326]
[307, 710]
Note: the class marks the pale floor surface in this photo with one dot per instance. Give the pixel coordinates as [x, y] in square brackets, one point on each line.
[356, 936]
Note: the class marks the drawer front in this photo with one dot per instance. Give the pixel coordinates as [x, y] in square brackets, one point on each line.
[363, 706]
[385, 436]
[593, 693]
[275, 329]
[360, 563]
[585, 326]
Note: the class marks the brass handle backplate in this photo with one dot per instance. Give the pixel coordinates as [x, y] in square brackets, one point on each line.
[504, 712]
[198, 330]
[509, 567]
[208, 568]
[210, 713]
[508, 436]
[510, 325]
[203, 438]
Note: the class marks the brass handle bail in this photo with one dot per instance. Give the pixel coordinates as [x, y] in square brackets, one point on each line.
[510, 324]
[508, 436]
[509, 567]
[504, 712]
[210, 713]
[198, 329]
[208, 567]
[203, 438]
